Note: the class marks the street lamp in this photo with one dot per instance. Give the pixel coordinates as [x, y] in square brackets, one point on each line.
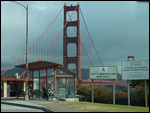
[26, 91]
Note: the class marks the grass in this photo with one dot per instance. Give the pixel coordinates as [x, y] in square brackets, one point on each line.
[98, 107]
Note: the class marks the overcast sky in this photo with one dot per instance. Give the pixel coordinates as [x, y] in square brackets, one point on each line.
[118, 29]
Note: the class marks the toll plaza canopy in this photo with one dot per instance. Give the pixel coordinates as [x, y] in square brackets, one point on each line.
[54, 76]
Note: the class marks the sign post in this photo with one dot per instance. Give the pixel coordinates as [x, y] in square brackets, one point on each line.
[100, 73]
[135, 70]
[92, 92]
[146, 104]
[128, 92]
[114, 91]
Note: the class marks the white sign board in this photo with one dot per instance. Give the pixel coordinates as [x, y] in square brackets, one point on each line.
[135, 70]
[103, 72]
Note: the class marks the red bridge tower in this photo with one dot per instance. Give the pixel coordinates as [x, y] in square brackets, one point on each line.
[76, 40]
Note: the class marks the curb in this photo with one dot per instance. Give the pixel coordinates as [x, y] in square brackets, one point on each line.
[28, 106]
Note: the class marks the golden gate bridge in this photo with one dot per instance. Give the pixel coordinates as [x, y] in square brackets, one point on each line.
[66, 41]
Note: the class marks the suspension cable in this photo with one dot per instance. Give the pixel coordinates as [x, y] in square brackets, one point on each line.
[91, 39]
[34, 43]
[54, 39]
[82, 44]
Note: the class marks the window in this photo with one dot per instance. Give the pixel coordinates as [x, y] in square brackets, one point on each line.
[50, 83]
[36, 73]
[70, 87]
[60, 71]
[42, 73]
[50, 72]
[36, 88]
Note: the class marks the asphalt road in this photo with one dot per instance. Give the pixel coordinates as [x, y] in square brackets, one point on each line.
[12, 108]
[21, 106]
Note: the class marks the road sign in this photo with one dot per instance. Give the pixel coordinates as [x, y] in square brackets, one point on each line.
[103, 72]
[135, 70]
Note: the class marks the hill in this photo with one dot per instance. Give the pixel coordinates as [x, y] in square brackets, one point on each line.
[84, 73]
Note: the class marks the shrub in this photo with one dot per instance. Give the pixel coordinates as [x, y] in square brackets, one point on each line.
[138, 96]
[104, 95]
[101, 95]
[121, 98]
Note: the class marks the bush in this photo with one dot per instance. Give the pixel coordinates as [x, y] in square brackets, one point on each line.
[86, 91]
[101, 95]
[104, 95]
[121, 98]
[138, 95]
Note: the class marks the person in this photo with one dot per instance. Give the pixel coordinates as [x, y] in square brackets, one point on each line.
[22, 93]
[68, 93]
[31, 90]
[29, 93]
[45, 93]
[18, 92]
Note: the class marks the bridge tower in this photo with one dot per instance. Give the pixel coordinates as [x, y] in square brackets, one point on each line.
[76, 40]
[130, 57]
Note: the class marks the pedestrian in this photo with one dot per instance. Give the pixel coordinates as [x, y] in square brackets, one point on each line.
[45, 93]
[68, 93]
[29, 93]
[31, 90]
[22, 93]
[18, 92]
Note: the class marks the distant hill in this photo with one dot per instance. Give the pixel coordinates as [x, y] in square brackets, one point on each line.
[11, 72]
[84, 73]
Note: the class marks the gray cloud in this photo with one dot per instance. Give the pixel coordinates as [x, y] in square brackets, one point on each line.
[118, 29]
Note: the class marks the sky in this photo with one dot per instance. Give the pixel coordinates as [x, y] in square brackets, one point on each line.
[118, 29]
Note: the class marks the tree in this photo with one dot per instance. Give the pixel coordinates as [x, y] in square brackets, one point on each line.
[138, 82]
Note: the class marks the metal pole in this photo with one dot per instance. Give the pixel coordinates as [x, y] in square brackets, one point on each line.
[114, 92]
[146, 94]
[74, 86]
[128, 93]
[92, 92]
[129, 82]
[26, 95]
[54, 80]
[26, 92]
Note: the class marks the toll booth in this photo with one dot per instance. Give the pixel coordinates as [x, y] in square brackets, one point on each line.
[54, 76]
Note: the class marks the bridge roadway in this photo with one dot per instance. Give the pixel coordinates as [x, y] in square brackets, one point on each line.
[101, 82]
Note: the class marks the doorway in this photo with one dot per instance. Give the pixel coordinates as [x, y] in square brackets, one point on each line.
[13, 87]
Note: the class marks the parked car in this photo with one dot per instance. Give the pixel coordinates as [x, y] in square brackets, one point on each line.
[81, 97]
